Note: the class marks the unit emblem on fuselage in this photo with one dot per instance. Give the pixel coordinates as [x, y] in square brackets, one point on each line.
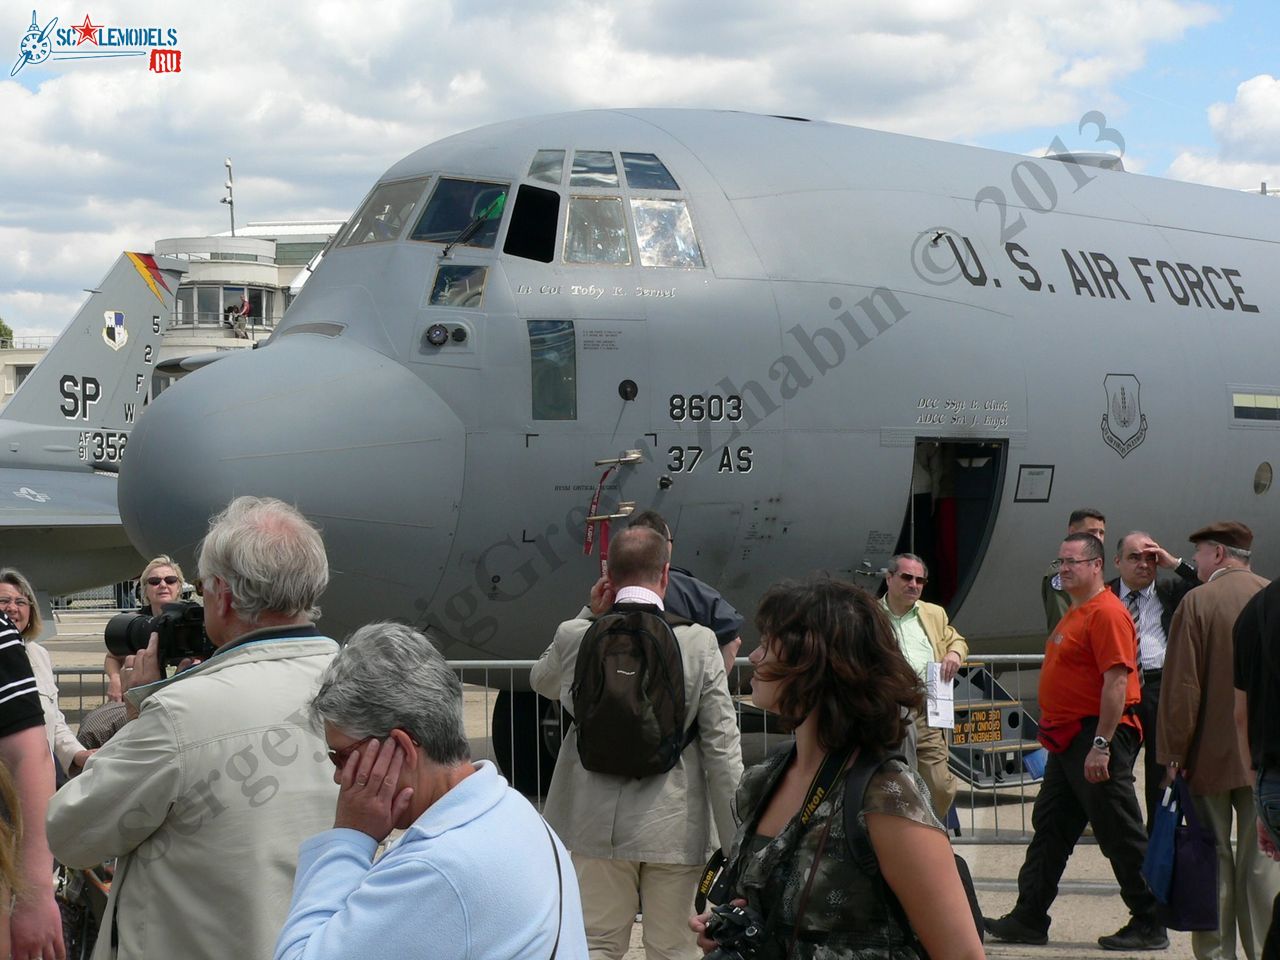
[1124, 425]
[113, 330]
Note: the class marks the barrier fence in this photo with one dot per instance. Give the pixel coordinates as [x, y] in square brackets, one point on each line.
[993, 751]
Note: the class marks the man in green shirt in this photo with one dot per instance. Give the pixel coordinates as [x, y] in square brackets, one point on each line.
[925, 635]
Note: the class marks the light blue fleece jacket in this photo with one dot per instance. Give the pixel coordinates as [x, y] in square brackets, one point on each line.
[473, 878]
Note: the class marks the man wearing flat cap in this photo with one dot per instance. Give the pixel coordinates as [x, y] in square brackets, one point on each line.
[1197, 738]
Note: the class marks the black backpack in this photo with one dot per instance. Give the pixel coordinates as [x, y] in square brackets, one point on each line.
[855, 788]
[628, 693]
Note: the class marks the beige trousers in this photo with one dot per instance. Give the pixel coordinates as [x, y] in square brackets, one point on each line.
[614, 891]
[1247, 881]
[931, 763]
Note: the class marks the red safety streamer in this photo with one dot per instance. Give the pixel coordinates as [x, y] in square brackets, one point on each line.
[588, 541]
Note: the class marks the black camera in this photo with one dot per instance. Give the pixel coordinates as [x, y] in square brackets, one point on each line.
[180, 626]
[737, 931]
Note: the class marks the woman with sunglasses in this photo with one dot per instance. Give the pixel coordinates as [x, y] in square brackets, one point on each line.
[828, 662]
[18, 601]
[160, 583]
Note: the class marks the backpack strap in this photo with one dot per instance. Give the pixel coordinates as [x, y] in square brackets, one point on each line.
[865, 766]
[865, 855]
[675, 620]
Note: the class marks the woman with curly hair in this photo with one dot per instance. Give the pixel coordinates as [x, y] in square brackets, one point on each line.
[828, 662]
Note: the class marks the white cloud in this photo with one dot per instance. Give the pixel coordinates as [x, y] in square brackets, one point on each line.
[1247, 131]
[313, 102]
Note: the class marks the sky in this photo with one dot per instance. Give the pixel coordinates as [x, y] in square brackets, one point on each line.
[313, 102]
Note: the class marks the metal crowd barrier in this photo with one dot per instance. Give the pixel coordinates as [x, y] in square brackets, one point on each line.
[993, 750]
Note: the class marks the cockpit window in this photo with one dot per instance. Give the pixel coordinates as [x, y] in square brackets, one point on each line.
[646, 172]
[547, 166]
[664, 232]
[532, 231]
[459, 205]
[552, 353]
[593, 168]
[596, 231]
[458, 286]
[385, 213]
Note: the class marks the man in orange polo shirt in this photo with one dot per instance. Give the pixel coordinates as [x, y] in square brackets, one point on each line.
[1088, 691]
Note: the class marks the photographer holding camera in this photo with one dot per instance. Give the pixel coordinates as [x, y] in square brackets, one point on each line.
[159, 583]
[800, 883]
[207, 794]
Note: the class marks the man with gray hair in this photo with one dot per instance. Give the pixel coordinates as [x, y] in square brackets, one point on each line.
[205, 795]
[477, 872]
[925, 635]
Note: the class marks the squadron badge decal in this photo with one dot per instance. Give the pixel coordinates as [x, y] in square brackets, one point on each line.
[1124, 425]
[113, 330]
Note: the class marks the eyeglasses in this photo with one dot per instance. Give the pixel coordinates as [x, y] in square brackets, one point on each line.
[1071, 562]
[339, 757]
[910, 578]
[156, 581]
[18, 602]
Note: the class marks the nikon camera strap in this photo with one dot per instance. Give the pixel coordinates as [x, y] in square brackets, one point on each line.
[715, 882]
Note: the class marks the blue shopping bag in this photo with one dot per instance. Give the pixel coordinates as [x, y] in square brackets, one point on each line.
[1157, 866]
[1193, 895]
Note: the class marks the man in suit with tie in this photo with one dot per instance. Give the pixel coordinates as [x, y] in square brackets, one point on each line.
[1151, 602]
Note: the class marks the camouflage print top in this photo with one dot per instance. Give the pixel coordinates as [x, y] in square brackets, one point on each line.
[847, 917]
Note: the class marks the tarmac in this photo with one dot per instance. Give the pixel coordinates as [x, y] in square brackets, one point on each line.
[1088, 904]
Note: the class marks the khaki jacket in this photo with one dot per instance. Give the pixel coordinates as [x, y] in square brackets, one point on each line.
[944, 637]
[1196, 725]
[663, 819]
[205, 798]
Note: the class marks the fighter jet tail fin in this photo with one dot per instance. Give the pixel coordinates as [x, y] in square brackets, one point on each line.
[97, 375]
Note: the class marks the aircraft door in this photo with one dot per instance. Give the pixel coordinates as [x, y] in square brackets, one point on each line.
[955, 495]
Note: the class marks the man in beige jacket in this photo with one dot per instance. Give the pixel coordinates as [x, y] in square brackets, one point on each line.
[639, 845]
[207, 793]
[925, 635]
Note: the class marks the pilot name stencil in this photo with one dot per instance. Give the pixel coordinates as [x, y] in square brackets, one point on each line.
[592, 291]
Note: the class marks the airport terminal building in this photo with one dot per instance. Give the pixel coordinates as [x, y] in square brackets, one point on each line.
[234, 293]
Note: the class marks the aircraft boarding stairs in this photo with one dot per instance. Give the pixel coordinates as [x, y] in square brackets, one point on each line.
[993, 743]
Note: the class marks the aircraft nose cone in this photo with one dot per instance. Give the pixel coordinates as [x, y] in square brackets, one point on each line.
[355, 440]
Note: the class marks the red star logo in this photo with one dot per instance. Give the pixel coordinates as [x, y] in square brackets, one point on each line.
[88, 31]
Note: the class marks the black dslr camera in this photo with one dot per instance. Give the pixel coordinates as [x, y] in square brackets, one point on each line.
[180, 626]
[737, 931]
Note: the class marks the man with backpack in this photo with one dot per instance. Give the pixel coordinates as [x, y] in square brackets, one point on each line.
[648, 767]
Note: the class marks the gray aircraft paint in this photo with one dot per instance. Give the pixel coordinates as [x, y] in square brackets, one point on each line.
[861, 290]
[65, 431]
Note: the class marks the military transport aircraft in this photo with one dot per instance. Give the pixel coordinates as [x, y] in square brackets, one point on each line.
[806, 344]
[64, 432]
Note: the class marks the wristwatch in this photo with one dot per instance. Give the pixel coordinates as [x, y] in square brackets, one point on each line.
[1101, 743]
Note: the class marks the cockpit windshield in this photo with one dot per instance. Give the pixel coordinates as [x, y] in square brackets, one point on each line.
[385, 213]
[457, 205]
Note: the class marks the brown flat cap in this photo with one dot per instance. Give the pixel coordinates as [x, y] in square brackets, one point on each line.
[1229, 533]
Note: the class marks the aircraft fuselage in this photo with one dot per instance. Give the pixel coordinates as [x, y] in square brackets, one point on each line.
[799, 326]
